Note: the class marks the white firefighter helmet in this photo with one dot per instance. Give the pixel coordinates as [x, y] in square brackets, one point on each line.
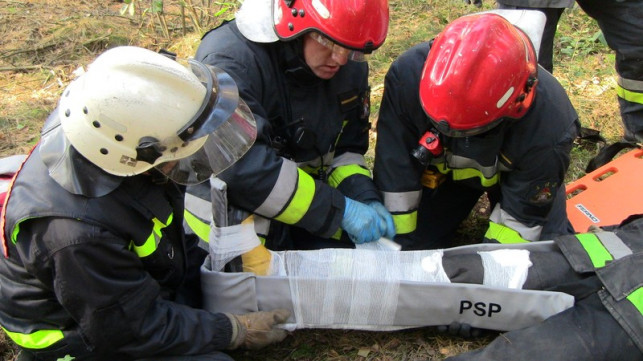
[135, 109]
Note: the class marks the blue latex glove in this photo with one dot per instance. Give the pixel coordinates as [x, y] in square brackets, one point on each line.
[389, 232]
[362, 222]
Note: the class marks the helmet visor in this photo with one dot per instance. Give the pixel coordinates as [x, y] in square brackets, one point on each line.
[350, 54]
[219, 104]
[221, 148]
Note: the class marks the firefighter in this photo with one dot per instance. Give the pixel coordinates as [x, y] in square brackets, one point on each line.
[621, 22]
[552, 9]
[602, 270]
[471, 112]
[96, 265]
[300, 66]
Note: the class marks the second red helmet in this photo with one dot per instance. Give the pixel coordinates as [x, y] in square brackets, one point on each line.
[480, 69]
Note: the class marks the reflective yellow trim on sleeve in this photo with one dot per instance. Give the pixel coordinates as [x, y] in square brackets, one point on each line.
[36, 340]
[598, 254]
[636, 298]
[200, 228]
[153, 239]
[503, 234]
[629, 95]
[300, 202]
[340, 173]
[405, 222]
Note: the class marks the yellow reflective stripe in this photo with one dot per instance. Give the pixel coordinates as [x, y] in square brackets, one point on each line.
[37, 340]
[151, 242]
[340, 173]
[598, 254]
[301, 201]
[629, 95]
[262, 240]
[200, 228]
[462, 174]
[14, 234]
[313, 171]
[442, 168]
[405, 222]
[636, 298]
[16, 230]
[337, 235]
[503, 234]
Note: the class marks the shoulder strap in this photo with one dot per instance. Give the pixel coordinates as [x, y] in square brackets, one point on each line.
[607, 153]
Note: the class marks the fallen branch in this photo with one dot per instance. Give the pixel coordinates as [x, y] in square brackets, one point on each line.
[20, 68]
[23, 51]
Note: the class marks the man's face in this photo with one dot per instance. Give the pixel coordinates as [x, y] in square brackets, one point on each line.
[323, 60]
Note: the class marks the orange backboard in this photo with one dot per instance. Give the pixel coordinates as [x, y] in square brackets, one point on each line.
[609, 194]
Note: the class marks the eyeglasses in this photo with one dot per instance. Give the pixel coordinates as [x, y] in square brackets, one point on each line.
[337, 49]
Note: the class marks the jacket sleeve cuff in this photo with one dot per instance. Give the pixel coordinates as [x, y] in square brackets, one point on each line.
[238, 333]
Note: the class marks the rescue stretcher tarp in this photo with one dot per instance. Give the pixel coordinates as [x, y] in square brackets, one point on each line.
[380, 290]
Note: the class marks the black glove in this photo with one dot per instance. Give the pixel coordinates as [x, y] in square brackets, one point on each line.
[476, 3]
[461, 329]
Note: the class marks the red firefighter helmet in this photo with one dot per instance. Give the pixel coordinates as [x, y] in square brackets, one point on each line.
[480, 70]
[359, 25]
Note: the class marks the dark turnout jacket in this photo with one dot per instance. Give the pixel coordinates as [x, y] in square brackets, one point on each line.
[524, 160]
[110, 277]
[312, 132]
